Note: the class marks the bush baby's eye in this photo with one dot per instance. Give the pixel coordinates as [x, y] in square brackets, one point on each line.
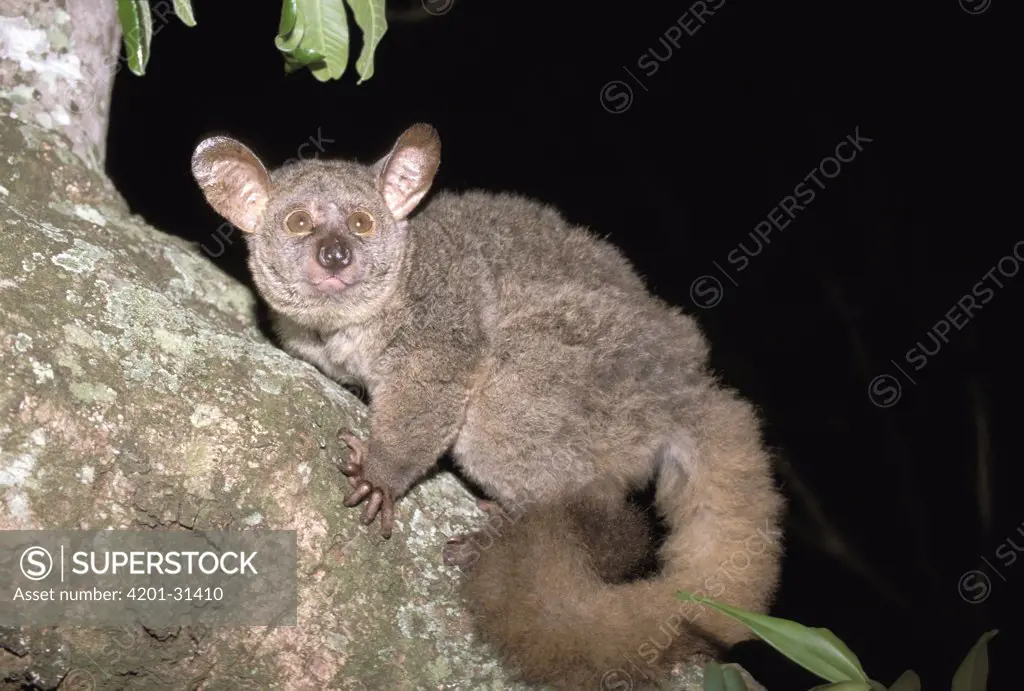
[298, 223]
[360, 223]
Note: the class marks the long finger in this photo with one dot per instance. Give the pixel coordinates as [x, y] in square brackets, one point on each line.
[373, 506]
[387, 519]
[361, 491]
[355, 445]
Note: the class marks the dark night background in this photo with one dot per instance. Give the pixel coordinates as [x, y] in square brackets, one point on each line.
[889, 506]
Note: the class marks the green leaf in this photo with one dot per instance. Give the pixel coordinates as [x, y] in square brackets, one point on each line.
[972, 675]
[289, 39]
[327, 30]
[137, 28]
[369, 16]
[733, 679]
[908, 681]
[843, 686]
[288, 34]
[183, 8]
[314, 34]
[723, 678]
[817, 650]
[302, 58]
[714, 680]
[147, 28]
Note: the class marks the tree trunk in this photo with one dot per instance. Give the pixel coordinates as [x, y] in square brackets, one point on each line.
[59, 62]
[136, 392]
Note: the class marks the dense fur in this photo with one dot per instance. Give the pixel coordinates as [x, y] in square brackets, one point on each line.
[486, 325]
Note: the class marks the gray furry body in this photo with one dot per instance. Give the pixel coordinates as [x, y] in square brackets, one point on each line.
[508, 323]
[487, 325]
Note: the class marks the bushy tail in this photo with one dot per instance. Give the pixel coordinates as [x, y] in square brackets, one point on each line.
[549, 590]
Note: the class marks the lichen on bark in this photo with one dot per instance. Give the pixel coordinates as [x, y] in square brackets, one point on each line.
[57, 63]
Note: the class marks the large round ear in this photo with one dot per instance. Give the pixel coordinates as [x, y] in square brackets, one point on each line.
[406, 173]
[233, 180]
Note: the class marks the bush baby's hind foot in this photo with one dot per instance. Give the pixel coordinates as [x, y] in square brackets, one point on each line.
[458, 551]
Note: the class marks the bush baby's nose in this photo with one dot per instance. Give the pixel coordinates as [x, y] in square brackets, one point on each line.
[333, 253]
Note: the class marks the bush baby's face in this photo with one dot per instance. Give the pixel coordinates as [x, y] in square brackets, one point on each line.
[325, 237]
